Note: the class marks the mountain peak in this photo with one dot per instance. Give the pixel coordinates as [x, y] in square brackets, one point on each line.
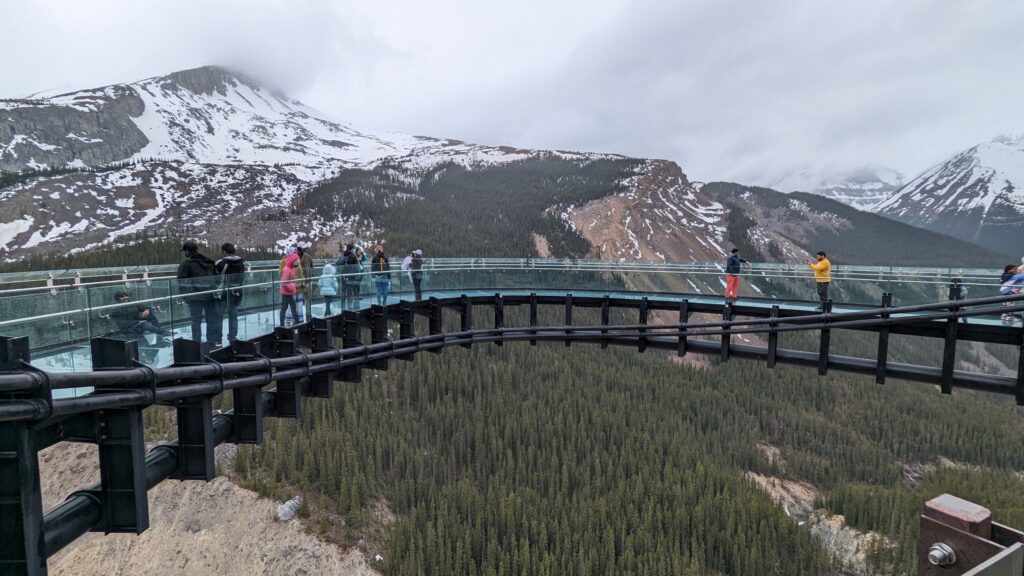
[207, 80]
[1012, 139]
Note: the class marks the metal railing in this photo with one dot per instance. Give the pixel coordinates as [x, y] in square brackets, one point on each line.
[304, 361]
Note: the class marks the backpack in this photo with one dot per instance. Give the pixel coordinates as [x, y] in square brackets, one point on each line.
[417, 263]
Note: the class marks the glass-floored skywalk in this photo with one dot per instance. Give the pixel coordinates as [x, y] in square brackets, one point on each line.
[60, 311]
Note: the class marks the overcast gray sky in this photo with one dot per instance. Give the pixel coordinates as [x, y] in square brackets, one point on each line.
[747, 91]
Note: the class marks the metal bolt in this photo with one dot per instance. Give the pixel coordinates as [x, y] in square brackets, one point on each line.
[941, 555]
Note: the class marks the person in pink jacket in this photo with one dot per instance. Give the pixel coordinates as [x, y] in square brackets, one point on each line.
[289, 284]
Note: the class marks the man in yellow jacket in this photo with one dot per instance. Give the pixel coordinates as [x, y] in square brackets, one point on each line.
[822, 275]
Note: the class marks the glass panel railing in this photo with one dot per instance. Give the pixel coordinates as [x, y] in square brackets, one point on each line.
[60, 321]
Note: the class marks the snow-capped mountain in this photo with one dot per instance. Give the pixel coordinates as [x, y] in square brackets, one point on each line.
[976, 195]
[862, 188]
[218, 152]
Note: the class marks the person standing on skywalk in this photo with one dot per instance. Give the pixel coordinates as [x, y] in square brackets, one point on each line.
[732, 275]
[413, 266]
[197, 279]
[822, 275]
[380, 270]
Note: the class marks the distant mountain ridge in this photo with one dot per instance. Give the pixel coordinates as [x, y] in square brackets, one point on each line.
[863, 188]
[772, 226]
[976, 195]
[208, 150]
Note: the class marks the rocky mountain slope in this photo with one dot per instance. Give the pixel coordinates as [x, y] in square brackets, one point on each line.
[193, 150]
[976, 195]
[789, 227]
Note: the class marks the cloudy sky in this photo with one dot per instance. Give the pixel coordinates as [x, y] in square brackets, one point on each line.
[754, 91]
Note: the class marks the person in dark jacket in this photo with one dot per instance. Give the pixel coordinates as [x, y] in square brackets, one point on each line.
[380, 269]
[351, 275]
[415, 271]
[197, 281]
[732, 278]
[133, 322]
[231, 270]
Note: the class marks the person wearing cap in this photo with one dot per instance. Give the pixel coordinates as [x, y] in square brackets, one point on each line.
[197, 281]
[413, 266]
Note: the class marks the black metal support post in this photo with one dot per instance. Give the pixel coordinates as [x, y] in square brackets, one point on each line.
[321, 384]
[825, 339]
[533, 316]
[248, 401]
[21, 502]
[605, 319]
[406, 325]
[684, 317]
[949, 354]
[122, 448]
[195, 430]
[466, 314]
[499, 317]
[378, 335]
[350, 338]
[773, 336]
[288, 395]
[883, 341]
[568, 318]
[641, 345]
[435, 321]
[726, 332]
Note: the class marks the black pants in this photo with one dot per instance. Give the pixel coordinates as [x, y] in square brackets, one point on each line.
[822, 291]
[350, 295]
[286, 301]
[417, 281]
[327, 305]
[208, 307]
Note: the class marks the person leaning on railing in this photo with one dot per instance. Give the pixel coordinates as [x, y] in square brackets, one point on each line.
[732, 279]
[231, 269]
[197, 276]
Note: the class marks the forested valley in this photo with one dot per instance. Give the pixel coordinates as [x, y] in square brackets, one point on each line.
[553, 460]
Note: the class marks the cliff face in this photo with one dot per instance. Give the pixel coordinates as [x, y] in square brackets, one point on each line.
[661, 217]
[196, 528]
[848, 547]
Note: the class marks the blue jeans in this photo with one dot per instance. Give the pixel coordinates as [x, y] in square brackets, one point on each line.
[229, 304]
[383, 286]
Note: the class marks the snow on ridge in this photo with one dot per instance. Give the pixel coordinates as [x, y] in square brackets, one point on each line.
[975, 179]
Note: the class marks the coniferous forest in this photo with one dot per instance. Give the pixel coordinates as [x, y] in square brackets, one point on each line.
[550, 460]
[553, 460]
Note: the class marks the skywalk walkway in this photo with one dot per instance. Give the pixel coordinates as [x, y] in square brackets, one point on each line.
[64, 377]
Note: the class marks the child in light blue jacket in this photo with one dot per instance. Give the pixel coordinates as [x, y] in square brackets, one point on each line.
[328, 284]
